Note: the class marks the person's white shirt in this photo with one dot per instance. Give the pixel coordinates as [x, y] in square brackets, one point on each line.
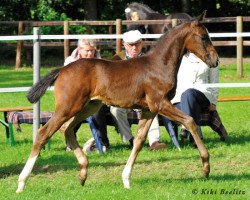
[193, 73]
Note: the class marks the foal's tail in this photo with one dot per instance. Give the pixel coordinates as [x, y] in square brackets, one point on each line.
[40, 87]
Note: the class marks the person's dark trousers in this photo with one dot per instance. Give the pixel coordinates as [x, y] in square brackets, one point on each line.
[101, 125]
[192, 103]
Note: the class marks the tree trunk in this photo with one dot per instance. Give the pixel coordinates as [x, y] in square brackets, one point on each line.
[19, 47]
[185, 6]
[91, 9]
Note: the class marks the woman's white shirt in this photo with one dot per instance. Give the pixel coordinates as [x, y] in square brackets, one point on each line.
[193, 73]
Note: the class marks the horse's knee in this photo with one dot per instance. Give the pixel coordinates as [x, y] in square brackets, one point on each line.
[65, 125]
[205, 156]
[139, 139]
[42, 137]
[190, 123]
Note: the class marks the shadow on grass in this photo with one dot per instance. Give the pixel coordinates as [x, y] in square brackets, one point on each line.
[241, 138]
[189, 180]
[16, 169]
[67, 161]
[233, 139]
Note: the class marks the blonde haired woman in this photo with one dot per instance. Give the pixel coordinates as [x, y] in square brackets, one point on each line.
[87, 49]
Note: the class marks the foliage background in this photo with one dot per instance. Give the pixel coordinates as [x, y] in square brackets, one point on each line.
[57, 10]
[47, 10]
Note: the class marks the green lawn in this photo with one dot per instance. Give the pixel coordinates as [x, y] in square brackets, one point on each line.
[162, 175]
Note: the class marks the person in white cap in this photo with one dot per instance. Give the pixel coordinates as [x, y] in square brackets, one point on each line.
[132, 41]
[194, 98]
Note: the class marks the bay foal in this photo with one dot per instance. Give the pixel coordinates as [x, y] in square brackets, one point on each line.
[148, 82]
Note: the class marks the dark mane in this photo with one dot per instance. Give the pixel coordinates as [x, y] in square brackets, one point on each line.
[144, 7]
[169, 36]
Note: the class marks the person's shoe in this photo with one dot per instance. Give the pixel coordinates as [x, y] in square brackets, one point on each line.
[193, 144]
[183, 135]
[224, 135]
[223, 139]
[157, 146]
[88, 146]
[131, 142]
[104, 149]
[68, 149]
[94, 148]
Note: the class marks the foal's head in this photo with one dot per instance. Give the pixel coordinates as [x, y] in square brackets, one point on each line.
[199, 42]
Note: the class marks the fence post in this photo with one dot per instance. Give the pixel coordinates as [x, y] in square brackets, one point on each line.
[66, 41]
[19, 47]
[118, 32]
[239, 47]
[36, 77]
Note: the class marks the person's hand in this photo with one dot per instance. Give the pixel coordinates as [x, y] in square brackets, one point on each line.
[212, 107]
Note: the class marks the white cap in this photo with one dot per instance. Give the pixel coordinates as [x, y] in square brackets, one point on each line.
[127, 10]
[132, 37]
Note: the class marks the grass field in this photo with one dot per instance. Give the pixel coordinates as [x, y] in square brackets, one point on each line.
[162, 175]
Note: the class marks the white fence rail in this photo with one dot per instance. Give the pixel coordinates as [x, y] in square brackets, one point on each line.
[106, 36]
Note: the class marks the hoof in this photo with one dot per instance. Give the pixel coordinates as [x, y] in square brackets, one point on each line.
[82, 181]
[20, 187]
[19, 191]
[126, 183]
[125, 177]
[206, 170]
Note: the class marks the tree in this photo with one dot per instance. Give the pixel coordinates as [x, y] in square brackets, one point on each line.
[90, 9]
[185, 5]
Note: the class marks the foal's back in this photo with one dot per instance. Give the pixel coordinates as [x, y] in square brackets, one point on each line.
[114, 82]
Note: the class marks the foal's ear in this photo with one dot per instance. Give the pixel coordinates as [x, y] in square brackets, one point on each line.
[202, 16]
[199, 18]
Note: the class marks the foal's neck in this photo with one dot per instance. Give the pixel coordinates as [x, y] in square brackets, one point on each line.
[170, 49]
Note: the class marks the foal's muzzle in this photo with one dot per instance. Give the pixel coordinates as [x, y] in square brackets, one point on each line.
[213, 60]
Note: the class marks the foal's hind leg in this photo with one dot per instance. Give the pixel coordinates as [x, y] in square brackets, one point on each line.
[168, 110]
[88, 110]
[143, 127]
[43, 135]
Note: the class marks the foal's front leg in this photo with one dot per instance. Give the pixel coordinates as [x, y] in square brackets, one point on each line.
[175, 114]
[143, 127]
